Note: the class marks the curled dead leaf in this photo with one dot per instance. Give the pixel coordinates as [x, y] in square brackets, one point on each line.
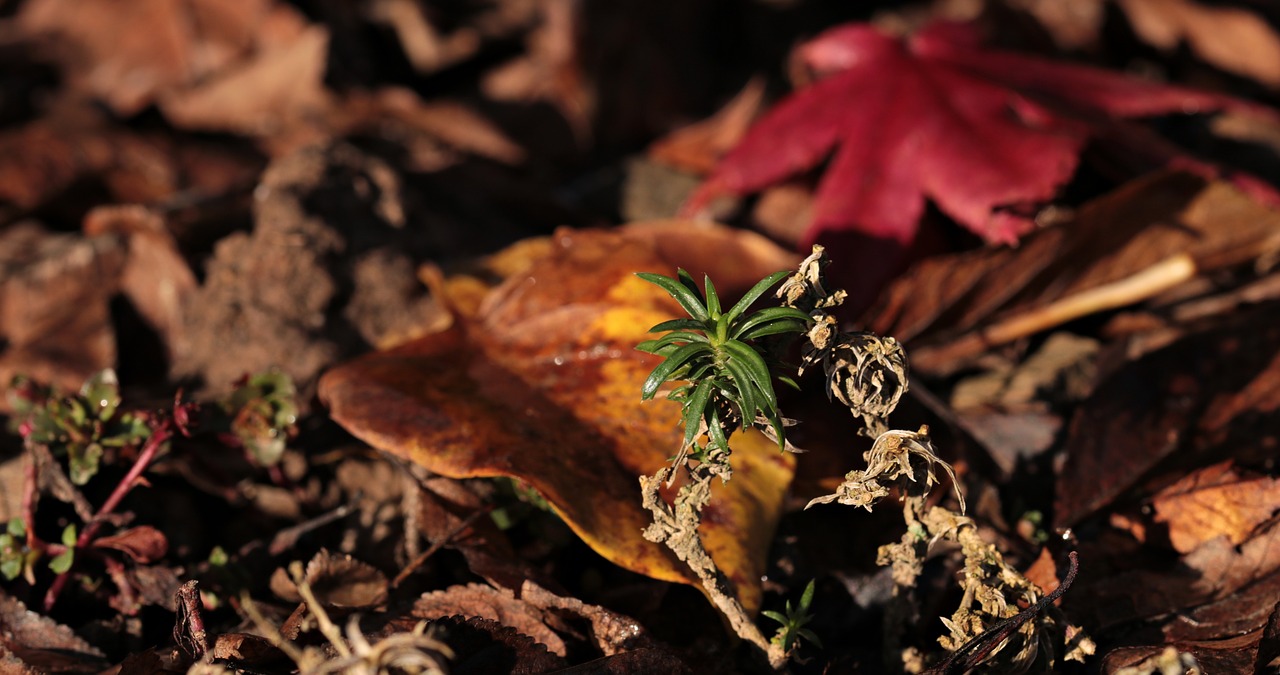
[487, 602]
[338, 581]
[143, 544]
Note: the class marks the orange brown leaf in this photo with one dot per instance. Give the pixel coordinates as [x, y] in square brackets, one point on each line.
[542, 383]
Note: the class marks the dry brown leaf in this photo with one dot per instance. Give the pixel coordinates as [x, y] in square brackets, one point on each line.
[55, 318]
[1211, 394]
[398, 113]
[487, 602]
[542, 385]
[265, 96]
[614, 633]
[143, 544]
[156, 278]
[129, 54]
[1123, 248]
[698, 147]
[338, 581]
[31, 643]
[1231, 38]
[40, 160]
[1215, 502]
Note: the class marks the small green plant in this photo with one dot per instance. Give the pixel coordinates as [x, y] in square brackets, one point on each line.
[16, 558]
[793, 623]
[80, 427]
[727, 381]
[62, 562]
[723, 384]
[261, 412]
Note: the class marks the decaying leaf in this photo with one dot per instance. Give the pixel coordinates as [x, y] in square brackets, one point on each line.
[543, 384]
[55, 291]
[482, 645]
[156, 278]
[31, 643]
[185, 43]
[487, 602]
[1215, 502]
[143, 544]
[1120, 249]
[1231, 38]
[1214, 394]
[338, 581]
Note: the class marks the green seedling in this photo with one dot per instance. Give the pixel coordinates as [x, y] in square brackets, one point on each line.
[793, 623]
[727, 383]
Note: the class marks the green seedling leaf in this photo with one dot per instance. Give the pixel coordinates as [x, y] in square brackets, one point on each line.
[84, 461]
[694, 410]
[17, 528]
[713, 300]
[62, 562]
[690, 302]
[102, 394]
[677, 324]
[11, 568]
[69, 535]
[769, 315]
[674, 362]
[775, 328]
[218, 557]
[794, 622]
[754, 294]
[672, 338]
[756, 369]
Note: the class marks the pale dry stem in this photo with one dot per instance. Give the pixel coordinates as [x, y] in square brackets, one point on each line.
[417, 651]
[676, 526]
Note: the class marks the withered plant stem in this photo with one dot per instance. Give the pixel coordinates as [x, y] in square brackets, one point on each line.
[677, 528]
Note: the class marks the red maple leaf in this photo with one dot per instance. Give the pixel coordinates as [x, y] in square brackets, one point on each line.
[985, 134]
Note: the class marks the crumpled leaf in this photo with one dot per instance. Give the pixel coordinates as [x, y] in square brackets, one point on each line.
[486, 602]
[55, 292]
[986, 135]
[950, 308]
[178, 45]
[338, 581]
[143, 544]
[543, 384]
[486, 646]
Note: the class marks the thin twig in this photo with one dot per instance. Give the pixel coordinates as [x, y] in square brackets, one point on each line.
[439, 544]
[30, 480]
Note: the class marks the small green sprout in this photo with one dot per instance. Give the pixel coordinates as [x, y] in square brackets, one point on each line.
[79, 427]
[16, 558]
[727, 383]
[62, 562]
[263, 410]
[794, 622]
